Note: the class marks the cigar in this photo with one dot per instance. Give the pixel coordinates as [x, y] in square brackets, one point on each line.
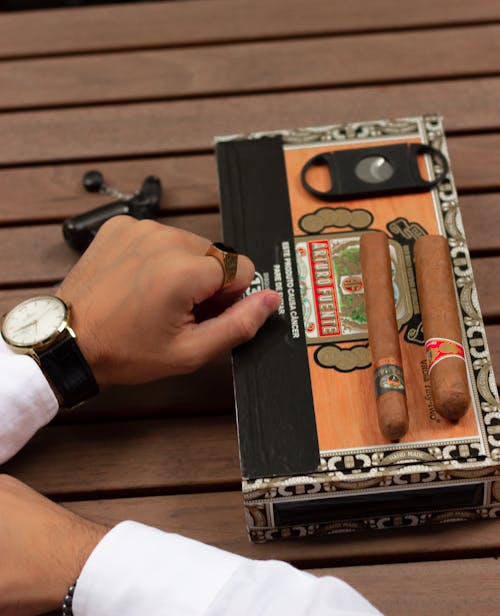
[441, 324]
[383, 335]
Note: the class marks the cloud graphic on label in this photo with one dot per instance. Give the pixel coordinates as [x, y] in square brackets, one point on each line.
[344, 360]
[335, 217]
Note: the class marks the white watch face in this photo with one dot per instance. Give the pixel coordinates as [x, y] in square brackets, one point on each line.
[34, 321]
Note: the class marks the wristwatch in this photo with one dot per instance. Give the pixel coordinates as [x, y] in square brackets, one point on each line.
[40, 327]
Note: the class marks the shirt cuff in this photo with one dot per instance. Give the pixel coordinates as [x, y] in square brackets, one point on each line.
[137, 569]
[28, 402]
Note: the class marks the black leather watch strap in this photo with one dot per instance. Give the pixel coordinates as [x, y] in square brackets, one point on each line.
[69, 372]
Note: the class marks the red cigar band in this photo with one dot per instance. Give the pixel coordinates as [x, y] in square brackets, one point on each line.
[437, 349]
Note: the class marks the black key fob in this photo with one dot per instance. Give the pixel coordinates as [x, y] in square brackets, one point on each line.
[80, 230]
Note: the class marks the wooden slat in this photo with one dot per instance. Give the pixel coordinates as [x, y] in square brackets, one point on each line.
[485, 272]
[175, 455]
[181, 23]
[475, 161]
[430, 588]
[238, 68]
[475, 210]
[217, 518]
[493, 335]
[188, 126]
[54, 192]
[14, 296]
[178, 454]
[36, 255]
[208, 391]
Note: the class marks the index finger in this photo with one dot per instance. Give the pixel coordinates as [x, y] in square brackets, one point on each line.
[208, 277]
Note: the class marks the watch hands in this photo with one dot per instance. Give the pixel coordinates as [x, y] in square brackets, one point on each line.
[20, 329]
[31, 323]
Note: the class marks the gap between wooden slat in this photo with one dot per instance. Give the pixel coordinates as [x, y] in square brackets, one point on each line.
[55, 192]
[465, 586]
[32, 195]
[37, 255]
[217, 518]
[141, 456]
[455, 53]
[206, 392]
[218, 95]
[432, 588]
[133, 130]
[173, 455]
[45, 258]
[151, 25]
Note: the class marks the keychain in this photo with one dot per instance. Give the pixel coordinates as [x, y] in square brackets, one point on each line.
[80, 230]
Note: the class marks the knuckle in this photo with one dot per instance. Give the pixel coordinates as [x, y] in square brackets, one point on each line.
[6, 480]
[246, 268]
[160, 238]
[181, 272]
[115, 224]
[188, 240]
[195, 237]
[250, 265]
[175, 235]
[147, 226]
[145, 234]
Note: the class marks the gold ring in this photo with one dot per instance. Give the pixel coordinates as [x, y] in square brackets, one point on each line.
[228, 258]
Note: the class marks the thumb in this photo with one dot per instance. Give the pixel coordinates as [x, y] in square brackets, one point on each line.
[236, 325]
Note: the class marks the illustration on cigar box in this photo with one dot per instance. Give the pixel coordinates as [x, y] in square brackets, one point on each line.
[369, 400]
[331, 286]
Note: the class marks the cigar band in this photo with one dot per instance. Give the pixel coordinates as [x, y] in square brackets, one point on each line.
[388, 377]
[437, 349]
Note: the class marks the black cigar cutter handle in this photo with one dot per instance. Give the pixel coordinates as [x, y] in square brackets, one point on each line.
[374, 172]
[80, 230]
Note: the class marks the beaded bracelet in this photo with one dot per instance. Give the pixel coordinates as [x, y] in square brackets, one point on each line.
[67, 606]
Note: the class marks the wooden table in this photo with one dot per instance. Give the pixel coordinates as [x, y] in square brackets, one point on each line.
[143, 89]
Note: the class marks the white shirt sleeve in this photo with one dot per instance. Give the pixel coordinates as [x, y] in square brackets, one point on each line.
[137, 570]
[27, 402]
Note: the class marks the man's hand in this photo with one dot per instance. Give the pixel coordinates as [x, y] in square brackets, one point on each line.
[146, 302]
[43, 548]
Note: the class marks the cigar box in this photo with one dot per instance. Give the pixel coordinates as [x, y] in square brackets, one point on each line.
[313, 459]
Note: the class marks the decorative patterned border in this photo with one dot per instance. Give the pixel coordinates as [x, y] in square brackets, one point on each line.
[394, 465]
[338, 132]
[261, 528]
[275, 488]
[358, 461]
